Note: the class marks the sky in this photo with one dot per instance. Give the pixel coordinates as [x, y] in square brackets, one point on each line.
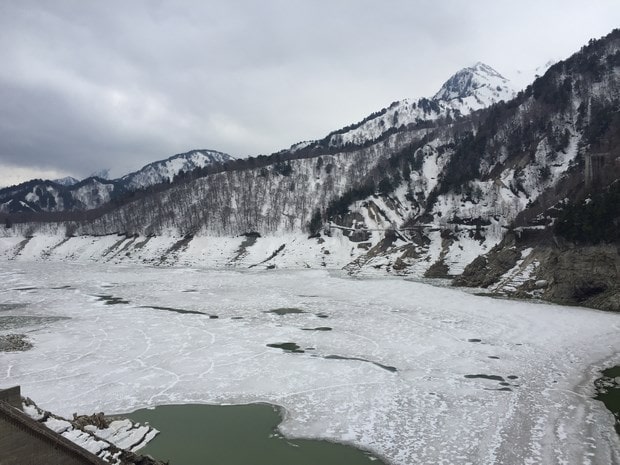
[86, 86]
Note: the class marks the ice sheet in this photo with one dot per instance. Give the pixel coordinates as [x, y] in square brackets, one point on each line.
[435, 409]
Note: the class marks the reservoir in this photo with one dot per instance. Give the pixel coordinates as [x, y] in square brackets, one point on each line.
[236, 435]
[412, 373]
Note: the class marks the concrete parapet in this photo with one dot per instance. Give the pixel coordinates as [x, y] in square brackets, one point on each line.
[12, 396]
[24, 441]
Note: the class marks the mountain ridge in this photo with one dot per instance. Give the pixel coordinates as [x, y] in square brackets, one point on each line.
[94, 191]
[437, 200]
[478, 86]
[469, 89]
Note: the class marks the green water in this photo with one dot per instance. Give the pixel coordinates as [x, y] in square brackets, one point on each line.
[608, 392]
[235, 435]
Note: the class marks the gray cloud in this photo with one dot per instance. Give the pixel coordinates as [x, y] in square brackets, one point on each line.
[89, 85]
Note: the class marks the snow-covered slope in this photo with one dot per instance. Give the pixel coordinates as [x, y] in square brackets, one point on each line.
[166, 170]
[521, 78]
[66, 181]
[468, 90]
[69, 194]
[475, 87]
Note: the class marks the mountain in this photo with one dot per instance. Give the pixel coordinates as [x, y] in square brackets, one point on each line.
[521, 78]
[165, 170]
[103, 173]
[480, 84]
[69, 194]
[468, 90]
[66, 181]
[520, 197]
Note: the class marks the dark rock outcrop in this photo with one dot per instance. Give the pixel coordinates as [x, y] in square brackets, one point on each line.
[565, 273]
[582, 275]
[487, 269]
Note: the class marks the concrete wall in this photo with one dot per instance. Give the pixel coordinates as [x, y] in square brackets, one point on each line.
[23, 441]
[12, 396]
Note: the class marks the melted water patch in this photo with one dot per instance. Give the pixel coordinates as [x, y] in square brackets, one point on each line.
[110, 299]
[359, 359]
[285, 311]
[483, 376]
[175, 310]
[500, 379]
[287, 347]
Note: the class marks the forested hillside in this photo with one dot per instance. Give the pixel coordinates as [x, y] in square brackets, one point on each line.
[426, 194]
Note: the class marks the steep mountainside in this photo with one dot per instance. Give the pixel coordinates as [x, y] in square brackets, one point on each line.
[165, 170]
[493, 195]
[69, 194]
[558, 140]
[468, 90]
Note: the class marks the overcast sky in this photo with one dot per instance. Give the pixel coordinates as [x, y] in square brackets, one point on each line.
[87, 85]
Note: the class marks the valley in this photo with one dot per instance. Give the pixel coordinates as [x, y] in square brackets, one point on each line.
[438, 283]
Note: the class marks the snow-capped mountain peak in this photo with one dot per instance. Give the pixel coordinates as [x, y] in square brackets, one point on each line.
[468, 90]
[479, 81]
[66, 181]
[166, 170]
[103, 173]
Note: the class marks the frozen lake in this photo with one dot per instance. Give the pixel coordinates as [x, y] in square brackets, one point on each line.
[415, 374]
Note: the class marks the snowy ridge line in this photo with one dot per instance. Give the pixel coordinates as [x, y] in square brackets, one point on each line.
[69, 194]
[468, 90]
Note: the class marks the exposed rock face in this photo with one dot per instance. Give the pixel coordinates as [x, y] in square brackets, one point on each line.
[586, 275]
[96, 419]
[439, 269]
[486, 270]
[558, 271]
